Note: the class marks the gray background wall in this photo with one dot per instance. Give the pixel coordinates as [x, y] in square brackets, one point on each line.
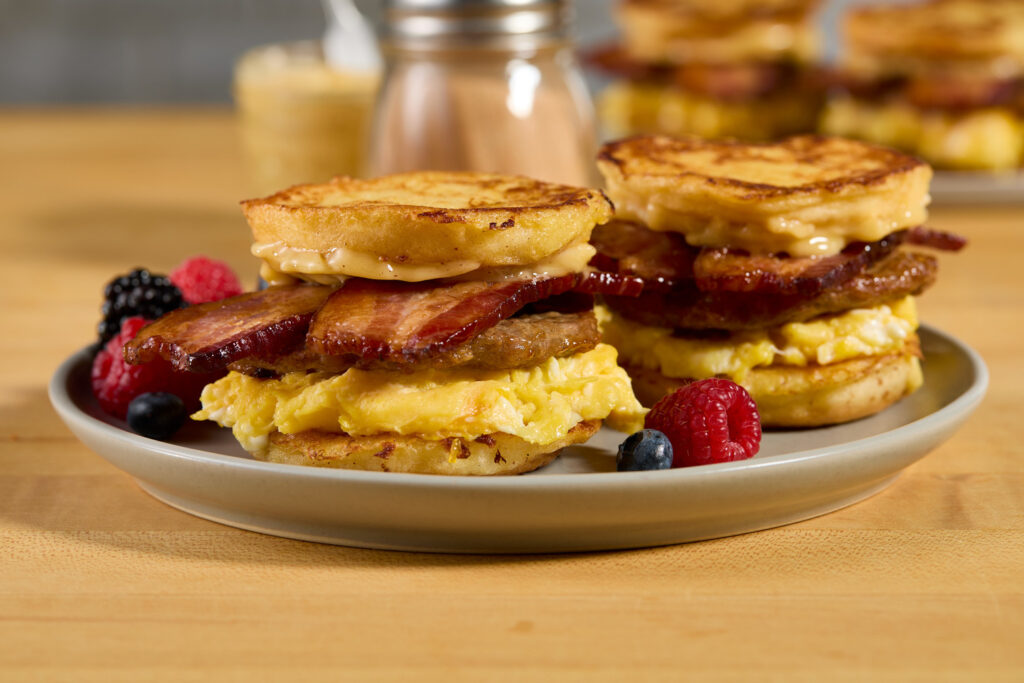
[149, 51]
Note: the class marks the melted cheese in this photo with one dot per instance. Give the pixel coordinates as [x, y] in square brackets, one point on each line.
[539, 404]
[816, 230]
[825, 340]
[284, 263]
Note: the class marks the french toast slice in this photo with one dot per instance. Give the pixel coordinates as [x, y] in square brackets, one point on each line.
[805, 196]
[711, 31]
[811, 396]
[424, 225]
[491, 454]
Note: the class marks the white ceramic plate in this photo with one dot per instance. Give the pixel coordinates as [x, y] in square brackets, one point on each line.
[977, 187]
[578, 503]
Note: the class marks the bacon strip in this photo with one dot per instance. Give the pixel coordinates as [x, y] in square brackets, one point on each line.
[207, 337]
[660, 259]
[936, 239]
[724, 270]
[899, 274]
[403, 322]
[601, 282]
[938, 92]
[666, 263]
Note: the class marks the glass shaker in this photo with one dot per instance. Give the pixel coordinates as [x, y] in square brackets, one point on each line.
[482, 85]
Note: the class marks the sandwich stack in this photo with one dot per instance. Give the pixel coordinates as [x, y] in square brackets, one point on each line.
[784, 267]
[942, 79]
[425, 322]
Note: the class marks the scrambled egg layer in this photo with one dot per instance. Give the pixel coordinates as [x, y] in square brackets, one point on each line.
[539, 404]
[983, 139]
[627, 108]
[825, 340]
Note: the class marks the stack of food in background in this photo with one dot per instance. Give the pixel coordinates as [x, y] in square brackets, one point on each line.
[712, 68]
[942, 79]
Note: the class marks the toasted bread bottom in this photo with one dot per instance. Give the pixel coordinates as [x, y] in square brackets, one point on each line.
[486, 455]
[810, 396]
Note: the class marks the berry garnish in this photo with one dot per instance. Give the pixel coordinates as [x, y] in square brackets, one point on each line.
[201, 280]
[115, 383]
[139, 293]
[713, 420]
[156, 414]
[648, 449]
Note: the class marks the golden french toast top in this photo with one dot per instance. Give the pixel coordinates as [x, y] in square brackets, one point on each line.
[712, 11]
[718, 32]
[424, 225]
[982, 36]
[805, 195]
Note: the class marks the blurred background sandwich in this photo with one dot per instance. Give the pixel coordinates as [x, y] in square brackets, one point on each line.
[782, 266]
[717, 69]
[942, 79]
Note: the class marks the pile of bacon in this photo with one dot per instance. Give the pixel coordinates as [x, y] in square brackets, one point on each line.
[374, 324]
[728, 289]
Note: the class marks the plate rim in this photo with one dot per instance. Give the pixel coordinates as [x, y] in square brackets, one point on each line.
[69, 412]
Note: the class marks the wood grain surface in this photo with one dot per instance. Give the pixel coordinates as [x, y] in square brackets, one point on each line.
[100, 582]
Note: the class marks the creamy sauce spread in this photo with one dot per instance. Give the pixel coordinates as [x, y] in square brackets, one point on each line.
[283, 264]
[817, 230]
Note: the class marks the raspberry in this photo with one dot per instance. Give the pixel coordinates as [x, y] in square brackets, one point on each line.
[138, 293]
[713, 420]
[115, 383]
[201, 279]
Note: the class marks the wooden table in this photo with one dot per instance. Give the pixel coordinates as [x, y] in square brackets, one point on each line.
[98, 581]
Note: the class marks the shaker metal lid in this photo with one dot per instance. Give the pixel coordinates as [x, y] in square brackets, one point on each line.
[455, 23]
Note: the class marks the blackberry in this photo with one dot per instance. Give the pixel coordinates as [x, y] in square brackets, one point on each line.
[137, 293]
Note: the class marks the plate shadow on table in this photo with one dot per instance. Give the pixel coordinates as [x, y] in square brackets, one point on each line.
[191, 540]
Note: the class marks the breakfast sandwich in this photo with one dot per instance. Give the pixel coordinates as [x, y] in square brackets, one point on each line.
[784, 267]
[713, 68]
[942, 79]
[425, 322]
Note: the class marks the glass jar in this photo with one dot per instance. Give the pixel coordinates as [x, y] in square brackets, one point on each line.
[302, 119]
[483, 85]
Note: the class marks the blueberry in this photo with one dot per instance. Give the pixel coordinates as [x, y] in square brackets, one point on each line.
[648, 449]
[157, 415]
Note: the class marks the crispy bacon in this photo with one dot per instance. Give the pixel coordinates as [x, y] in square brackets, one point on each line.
[367, 320]
[404, 322]
[936, 239]
[207, 337]
[666, 263]
[725, 270]
[938, 92]
[660, 259]
[899, 274]
[602, 282]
